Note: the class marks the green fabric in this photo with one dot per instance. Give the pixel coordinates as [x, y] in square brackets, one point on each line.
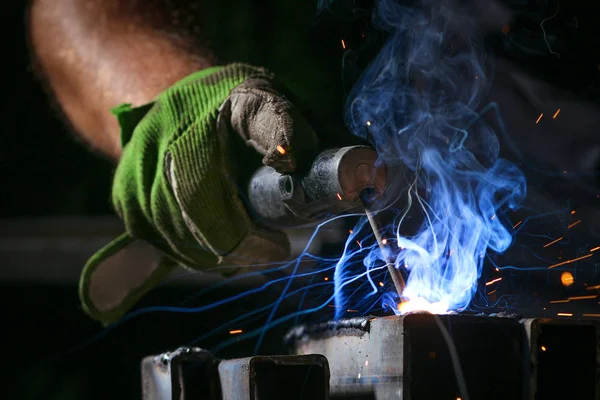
[181, 124]
[118, 244]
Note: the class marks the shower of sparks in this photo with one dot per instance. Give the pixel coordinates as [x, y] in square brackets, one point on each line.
[517, 224]
[539, 118]
[566, 278]
[570, 261]
[574, 223]
[564, 314]
[493, 281]
[552, 242]
[556, 114]
[582, 297]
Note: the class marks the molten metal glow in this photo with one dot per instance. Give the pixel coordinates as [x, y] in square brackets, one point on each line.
[420, 304]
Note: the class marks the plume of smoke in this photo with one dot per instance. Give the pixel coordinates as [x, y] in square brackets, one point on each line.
[419, 104]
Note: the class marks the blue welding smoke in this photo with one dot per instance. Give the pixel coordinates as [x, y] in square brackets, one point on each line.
[419, 103]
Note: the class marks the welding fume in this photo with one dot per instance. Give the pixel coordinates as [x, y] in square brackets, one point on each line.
[433, 154]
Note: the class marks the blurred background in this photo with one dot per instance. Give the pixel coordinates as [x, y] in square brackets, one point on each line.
[54, 193]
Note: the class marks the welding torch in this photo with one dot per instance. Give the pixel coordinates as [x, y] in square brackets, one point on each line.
[340, 181]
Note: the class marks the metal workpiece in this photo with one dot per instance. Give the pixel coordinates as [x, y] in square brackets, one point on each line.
[407, 357]
[564, 358]
[332, 186]
[303, 377]
[186, 373]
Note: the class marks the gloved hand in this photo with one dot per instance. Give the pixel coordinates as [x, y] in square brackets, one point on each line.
[175, 189]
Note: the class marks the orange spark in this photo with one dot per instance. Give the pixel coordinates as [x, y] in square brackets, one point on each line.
[564, 314]
[540, 117]
[384, 241]
[594, 249]
[493, 281]
[497, 269]
[582, 297]
[326, 278]
[339, 196]
[552, 242]
[492, 292]
[592, 315]
[570, 261]
[351, 231]
[352, 310]
[567, 278]
[517, 224]
[556, 113]
[573, 212]
[343, 44]
[543, 348]
[381, 284]
[280, 149]
[235, 331]
[573, 224]
[559, 301]
[593, 287]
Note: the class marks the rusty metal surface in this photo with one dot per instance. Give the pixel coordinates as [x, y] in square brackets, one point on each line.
[564, 358]
[404, 357]
[186, 373]
[301, 377]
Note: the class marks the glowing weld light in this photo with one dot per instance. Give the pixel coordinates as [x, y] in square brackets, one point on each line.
[419, 304]
[430, 121]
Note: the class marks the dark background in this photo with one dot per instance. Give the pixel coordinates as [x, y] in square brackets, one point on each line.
[55, 211]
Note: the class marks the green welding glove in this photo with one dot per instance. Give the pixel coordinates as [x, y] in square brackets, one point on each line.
[175, 186]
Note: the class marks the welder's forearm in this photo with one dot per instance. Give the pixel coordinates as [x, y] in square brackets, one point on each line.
[97, 54]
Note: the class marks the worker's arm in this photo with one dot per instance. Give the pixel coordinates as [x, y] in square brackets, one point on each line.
[96, 54]
[185, 135]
